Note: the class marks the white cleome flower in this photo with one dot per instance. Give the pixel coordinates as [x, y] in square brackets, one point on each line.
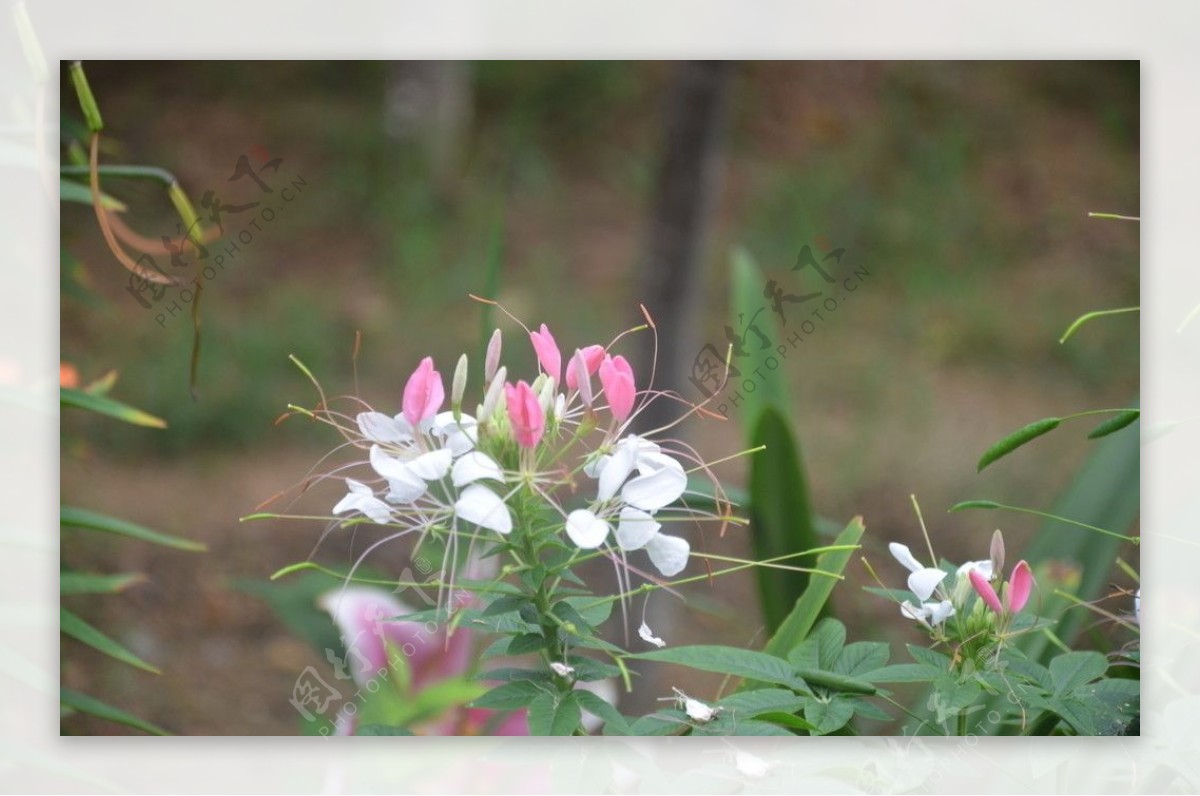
[485, 508]
[929, 614]
[648, 636]
[923, 580]
[586, 530]
[361, 498]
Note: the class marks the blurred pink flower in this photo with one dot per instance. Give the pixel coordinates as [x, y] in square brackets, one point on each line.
[547, 353]
[591, 357]
[617, 378]
[423, 394]
[525, 414]
[373, 631]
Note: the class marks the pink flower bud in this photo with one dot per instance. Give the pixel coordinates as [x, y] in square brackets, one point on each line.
[1019, 587]
[423, 394]
[525, 414]
[617, 378]
[492, 360]
[547, 353]
[985, 591]
[591, 357]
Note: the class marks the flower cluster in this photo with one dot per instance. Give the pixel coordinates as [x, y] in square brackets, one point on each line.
[504, 468]
[936, 603]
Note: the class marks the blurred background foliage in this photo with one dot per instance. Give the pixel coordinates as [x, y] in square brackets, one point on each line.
[963, 188]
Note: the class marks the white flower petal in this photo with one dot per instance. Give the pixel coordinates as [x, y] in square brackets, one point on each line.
[614, 471]
[697, 710]
[635, 529]
[595, 465]
[648, 636]
[482, 506]
[405, 486]
[923, 582]
[939, 612]
[750, 765]
[669, 553]
[361, 498]
[586, 529]
[983, 567]
[914, 612]
[378, 427]
[562, 669]
[473, 466]
[657, 488]
[433, 465]
[459, 435]
[902, 554]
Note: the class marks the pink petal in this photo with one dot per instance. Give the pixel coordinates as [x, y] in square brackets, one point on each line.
[423, 394]
[617, 378]
[985, 591]
[592, 356]
[1019, 587]
[365, 619]
[547, 353]
[515, 723]
[525, 414]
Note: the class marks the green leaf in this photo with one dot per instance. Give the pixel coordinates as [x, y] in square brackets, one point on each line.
[94, 521]
[505, 604]
[380, 729]
[1071, 670]
[664, 722]
[804, 615]
[94, 707]
[746, 296]
[1017, 439]
[827, 717]
[862, 657]
[527, 642]
[1115, 423]
[72, 191]
[748, 704]
[757, 666]
[780, 514]
[511, 696]
[904, 673]
[80, 630]
[836, 682]
[108, 406]
[614, 722]
[86, 583]
[551, 716]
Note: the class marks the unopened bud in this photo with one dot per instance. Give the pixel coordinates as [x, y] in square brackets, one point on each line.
[492, 360]
[458, 386]
[546, 395]
[494, 393]
[997, 554]
[582, 380]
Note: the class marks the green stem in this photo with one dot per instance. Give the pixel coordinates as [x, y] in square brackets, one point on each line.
[132, 172]
[991, 504]
[1087, 316]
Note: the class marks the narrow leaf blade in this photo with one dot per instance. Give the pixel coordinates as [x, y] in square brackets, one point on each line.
[1018, 438]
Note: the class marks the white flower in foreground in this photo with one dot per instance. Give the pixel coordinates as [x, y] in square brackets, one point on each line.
[660, 480]
[638, 529]
[361, 498]
[923, 580]
[982, 567]
[378, 427]
[404, 485]
[694, 708]
[562, 669]
[586, 530]
[485, 508]
[474, 466]
[930, 614]
[458, 435]
[648, 636]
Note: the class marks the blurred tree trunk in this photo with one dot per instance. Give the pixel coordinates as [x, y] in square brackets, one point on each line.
[430, 103]
[671, 265]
